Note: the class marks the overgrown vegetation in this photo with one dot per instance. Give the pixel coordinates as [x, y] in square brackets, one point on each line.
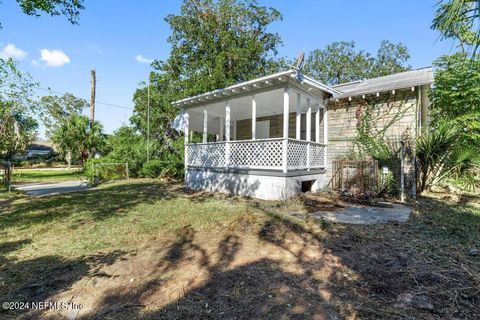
[450, 150]
[378, 139]
[442, 155]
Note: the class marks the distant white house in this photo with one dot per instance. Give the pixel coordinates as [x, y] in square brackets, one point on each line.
[278, 135]
[37, 148]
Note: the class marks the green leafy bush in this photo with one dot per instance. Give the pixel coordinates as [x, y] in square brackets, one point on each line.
[127, 145]
[441, 156]
[152, 169]
[164, 169]
[104, 169]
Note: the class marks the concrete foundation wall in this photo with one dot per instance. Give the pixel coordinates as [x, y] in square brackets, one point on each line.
[252, 185]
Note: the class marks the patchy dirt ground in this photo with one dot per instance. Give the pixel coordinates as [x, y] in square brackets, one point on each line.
[324, 206]
[266, 264]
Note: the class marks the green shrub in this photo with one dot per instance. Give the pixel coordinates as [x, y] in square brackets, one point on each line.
[164, 169]
[152, 169]
[442, 156]
[104, 169]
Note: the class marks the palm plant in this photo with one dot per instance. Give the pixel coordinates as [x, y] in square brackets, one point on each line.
[75, 138]
[440, 155]
[459, 19]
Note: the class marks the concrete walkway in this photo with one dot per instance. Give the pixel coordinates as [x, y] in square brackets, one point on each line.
[35, 189]
[366, 215]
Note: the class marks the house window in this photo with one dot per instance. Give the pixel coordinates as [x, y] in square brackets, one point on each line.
[263, 129]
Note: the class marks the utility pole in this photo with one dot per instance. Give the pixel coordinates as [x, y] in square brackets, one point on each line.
[148, 119]
[92, 98]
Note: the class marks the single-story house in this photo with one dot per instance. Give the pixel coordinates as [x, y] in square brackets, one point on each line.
[39, 148]
[277, 135]
[35, 149]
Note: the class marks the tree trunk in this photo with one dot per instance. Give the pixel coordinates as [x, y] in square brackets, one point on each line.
[68, 157]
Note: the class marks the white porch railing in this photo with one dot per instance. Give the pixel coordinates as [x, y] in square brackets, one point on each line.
[256, 154]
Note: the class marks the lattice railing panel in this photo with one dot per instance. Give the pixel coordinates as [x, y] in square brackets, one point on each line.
[256, 154]
[206, 155]
[317, 156]
[297, 154]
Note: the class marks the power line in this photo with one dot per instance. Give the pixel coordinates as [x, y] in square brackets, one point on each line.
[99, 102]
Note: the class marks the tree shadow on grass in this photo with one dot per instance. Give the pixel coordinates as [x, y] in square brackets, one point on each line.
[41, 278]
[6, 247]
[97, 204]
[253, 290]
[411, 270]
[368, 271]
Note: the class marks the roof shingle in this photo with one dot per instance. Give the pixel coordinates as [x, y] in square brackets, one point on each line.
[395, 81]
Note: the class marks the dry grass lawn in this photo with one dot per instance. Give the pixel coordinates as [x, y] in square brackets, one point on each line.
[146, 249]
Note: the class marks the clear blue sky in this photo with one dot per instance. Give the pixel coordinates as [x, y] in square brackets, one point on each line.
[112, 33]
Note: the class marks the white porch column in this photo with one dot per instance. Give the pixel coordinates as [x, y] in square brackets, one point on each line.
[227, 121]
[286, 110]
[325, 125]
[309, 120]
[254, 118]
[221, 128]
[186, 124]
[186, 133]
[325, 132]
[309, 130]
[317, 124]
[298, 119]
[205, 123]
[227, 134]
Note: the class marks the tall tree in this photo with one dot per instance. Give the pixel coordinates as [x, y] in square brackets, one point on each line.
[460, 20]
[56, 110]
[341, 62]
[17, 130]
[456, 95]
[214, 43]
[17, 124]
[68, 8]
[391, 58]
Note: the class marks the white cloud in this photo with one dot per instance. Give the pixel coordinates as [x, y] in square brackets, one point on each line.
[54, 57]
[11, 51]
[142, 59]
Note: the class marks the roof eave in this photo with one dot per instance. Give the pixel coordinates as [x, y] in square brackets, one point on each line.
[369, 92]
[223, 92]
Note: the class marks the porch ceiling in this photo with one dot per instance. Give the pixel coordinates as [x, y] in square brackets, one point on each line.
[268, 103]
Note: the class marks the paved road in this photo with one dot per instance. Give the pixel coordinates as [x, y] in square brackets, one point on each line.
[36, 189]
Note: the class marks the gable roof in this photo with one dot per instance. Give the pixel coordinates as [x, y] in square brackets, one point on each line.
[40, 145]
[396, 81]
